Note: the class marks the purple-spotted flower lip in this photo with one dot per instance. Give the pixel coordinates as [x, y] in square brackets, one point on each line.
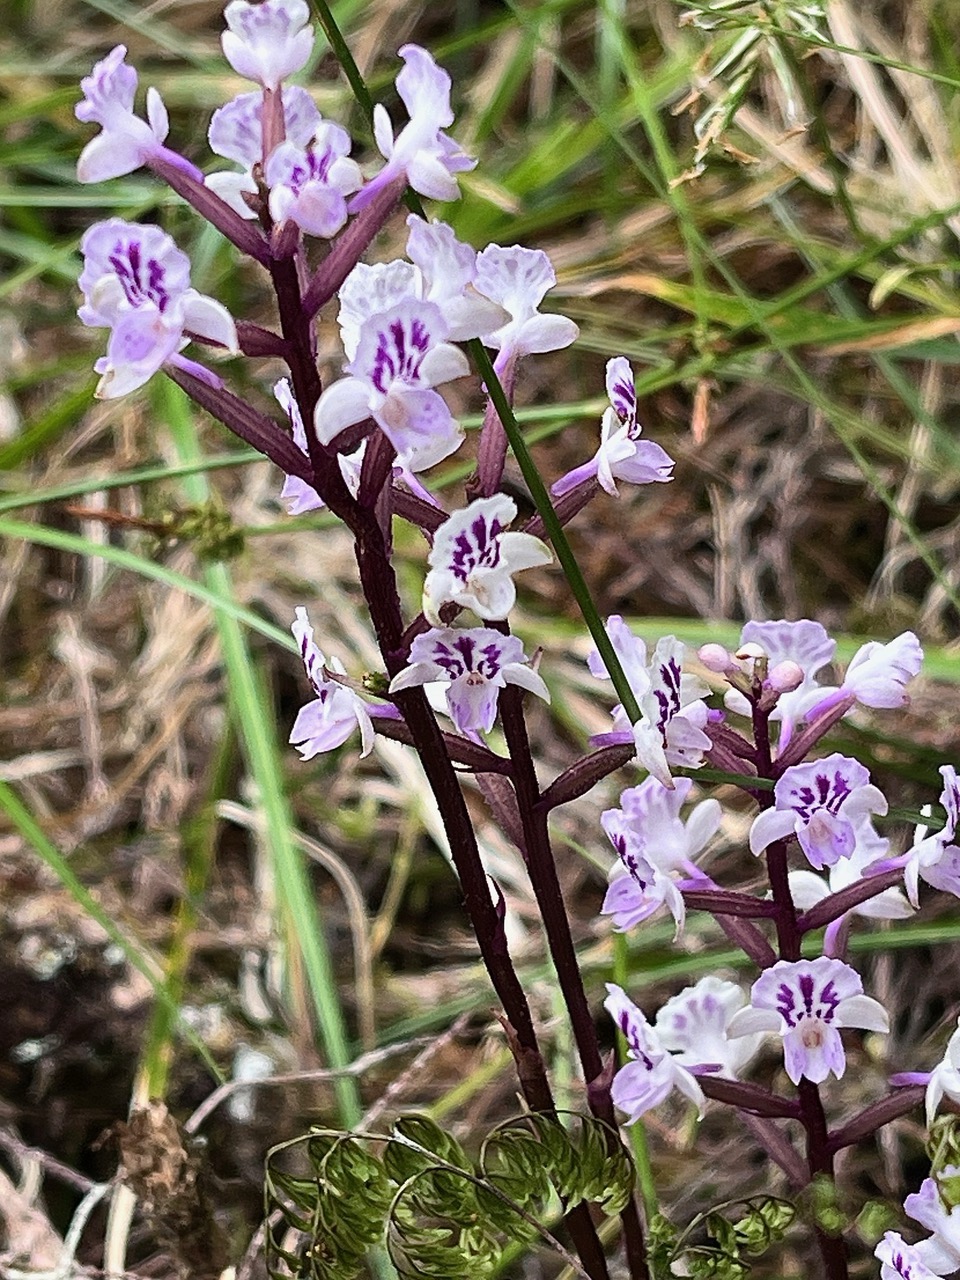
[136, 282]
[807, 889]
[269, 41]
[652, 1072]
[807, 1002]
[126, 141]
[693, 1026]
[645, 888]
[309, 185]
[401, 355]
[825, 804]
[474, 556]
[475, 664]
[902, 1261]
[336, 712]
[421, 152]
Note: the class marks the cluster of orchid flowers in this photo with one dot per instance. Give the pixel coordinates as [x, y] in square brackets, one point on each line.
[400, 323]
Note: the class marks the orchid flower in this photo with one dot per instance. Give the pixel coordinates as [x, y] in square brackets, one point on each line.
[655, 846]
[804, 643]
[330, 719]
[517, 279]
[296, 495]
[448, 272]
[808, 889]
[807, 1001]
[401, 355]
[125, 142]
[824, 803]
[308, 185]
[236, 133]
[475, 664]
[425, 156]
[673, 713]
[474, 557]
[944, 1080]
[652, 1072]
[136, 283]
[941, 1251]
[902, 1261]
[693, 1026]
[935, 858]
[622, 454]
[269, 41]
[636, 896]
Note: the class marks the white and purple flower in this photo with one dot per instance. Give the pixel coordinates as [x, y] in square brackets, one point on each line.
[329, 720]
[474, 557]
[622, 454]
[652, 1072]
[673, 713]
[125, 142]
[309, 185]
[807, 1002]
[808, 889]
[296, 495]
[902, 1261]
[655, 846]
[825, 804]
[136, 282]
[517, 280]
[236, 133]
[401, 355]
[935, 858]
[693, 1026]
[421, 152]
[269, 41]
[941, 1251]
[944, 1080]
[474, 664]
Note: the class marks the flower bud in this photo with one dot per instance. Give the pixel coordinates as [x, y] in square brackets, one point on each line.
[716, 658]
[785, 677]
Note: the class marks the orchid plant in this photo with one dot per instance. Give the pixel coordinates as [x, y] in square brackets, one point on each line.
[359, 444]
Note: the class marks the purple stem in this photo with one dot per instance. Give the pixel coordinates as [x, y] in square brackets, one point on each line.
[246, 422]
[245, 235]
[833, 1250]
[807, 739]
[546, 887]
[256, 341]
[723, 902]
[872, 1118]
[838, 904]
[749, 1097]
[566, 508]
[492, 449]
[347, 250]
[462, 751]
[585, 773]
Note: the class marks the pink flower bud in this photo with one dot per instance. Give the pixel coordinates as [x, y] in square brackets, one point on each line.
[716, 658]
[785, 677]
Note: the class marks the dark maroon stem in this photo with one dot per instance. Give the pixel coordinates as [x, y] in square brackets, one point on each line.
[473, 757]
[239, 231]
[838, 904]
[246, 422]
[349, 247]
[749, 1097]
[872, 1118]
[254, 340]
[808, 737]
[720, 902]
[833, 1250]
[546, 887]
[584, 774]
